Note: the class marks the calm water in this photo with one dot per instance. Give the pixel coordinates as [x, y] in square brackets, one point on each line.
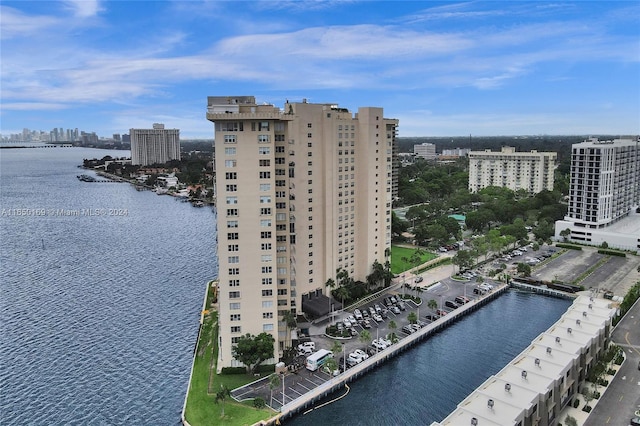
[99, 314]
[426, 383]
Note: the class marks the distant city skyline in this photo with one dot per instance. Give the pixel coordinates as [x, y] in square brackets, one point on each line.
[441, 68]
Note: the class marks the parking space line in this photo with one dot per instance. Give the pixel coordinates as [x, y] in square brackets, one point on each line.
[311, 381]
[300, 384]
[296, 391]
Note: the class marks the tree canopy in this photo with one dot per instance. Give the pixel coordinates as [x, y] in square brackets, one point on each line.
[253, 350]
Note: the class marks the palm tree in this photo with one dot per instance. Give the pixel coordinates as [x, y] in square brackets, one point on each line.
[419, 290]
[332, 365]
[432, 304]
[365, 337]
[336, 348]
[392, 325]
[342, 293]
[412, 317]
[290, 321]
[221, 395]
[274, 382]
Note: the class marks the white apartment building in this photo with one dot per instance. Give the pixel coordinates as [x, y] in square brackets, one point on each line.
[604, 194]
[534, 388]
[425, 150]
[532, 171]
[302, 192]
[154, 146]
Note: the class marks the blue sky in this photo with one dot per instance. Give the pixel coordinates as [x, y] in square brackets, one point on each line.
[441, 68]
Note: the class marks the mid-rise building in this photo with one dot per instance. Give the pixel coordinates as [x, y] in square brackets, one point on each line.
[425, 150]
[532, 171]
[302, 192]
[604, 194]
[154, 146]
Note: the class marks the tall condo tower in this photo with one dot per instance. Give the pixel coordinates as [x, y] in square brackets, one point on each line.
[154, 146]
[302, 192]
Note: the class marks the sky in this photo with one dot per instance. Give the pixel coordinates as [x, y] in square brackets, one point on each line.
[441, 68]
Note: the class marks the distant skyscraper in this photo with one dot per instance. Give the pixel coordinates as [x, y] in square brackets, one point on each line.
[532, 171]
[604, 194]
[301, 193]
[154, 146]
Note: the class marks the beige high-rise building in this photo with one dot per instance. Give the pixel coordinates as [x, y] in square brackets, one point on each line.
[154, 146]
[302, 192]
[532, 171]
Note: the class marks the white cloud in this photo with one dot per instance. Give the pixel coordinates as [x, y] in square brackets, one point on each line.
[84, 8]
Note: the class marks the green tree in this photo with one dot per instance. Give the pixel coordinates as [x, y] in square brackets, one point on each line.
[290, 321]
[332, 365]
[365, 337]
[221, 395]
[565, 234]
[463, 259]
[392, 325]
[259, 403]
[252, 350]
[336, 348]
[432, 304]
[524, 269]
[412, 317]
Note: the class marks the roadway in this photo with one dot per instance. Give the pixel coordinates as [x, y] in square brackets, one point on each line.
[622, 396]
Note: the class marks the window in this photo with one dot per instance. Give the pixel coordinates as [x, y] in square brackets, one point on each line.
[267, 315]
[265, 199]
[234, 283]
[265, 211]
[233, 259]
[236, 329]
[232, 247]
[309, 135]
[232, 212]
[232, 188]
[281, 194]
[234, 295]
[281, 292]
[234, 271]
[267, 327]
[232, 224]
[265, 234]
[233, 236]
[230, 163]
[280, 149]
[265, 246]
[267, 269]
[230, 151]
[267, 281]
[263, 125]
[232, 200]
[264, 150]
[264, 187]
[265, 223]
[264, 163]
[267, 293]
[231, 175]
[264, 139]
[234, 306]
[266, 258]
[230, 139]
[235, 317]
[267, 304]
[265, 175]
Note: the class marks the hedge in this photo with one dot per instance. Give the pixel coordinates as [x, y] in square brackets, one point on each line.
[568, 246]
[612, 252]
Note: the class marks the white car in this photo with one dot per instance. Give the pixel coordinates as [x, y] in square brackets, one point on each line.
[306, 348]
[377, 317]
[346, 322]
[357, 314]
[353, 359]
[378, 345]
[361, 353]
[352, 319]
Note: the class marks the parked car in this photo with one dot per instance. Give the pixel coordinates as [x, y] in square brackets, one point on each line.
[441, 312]
[401, 305]
[394, 299]
[378, 308]
[351, 319]
[353, 331]
[416, 327]
[353, 359]
[450, 304]
[378, 344]
[430, 317]
[310, 345]
[377, 318]
[461, 300]
[365, 313]
[419, 279]
[367, 323]
[346, 322]
[387, 301]
[408, 329]
[357, 314]
[395, 310]
[372, 310]
[362, 353]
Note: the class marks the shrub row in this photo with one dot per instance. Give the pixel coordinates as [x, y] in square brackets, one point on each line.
[266, 368]
[568, 246]
[612, 252]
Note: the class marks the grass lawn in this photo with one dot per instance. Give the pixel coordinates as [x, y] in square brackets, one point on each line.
[201, 406]
[398, 265]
